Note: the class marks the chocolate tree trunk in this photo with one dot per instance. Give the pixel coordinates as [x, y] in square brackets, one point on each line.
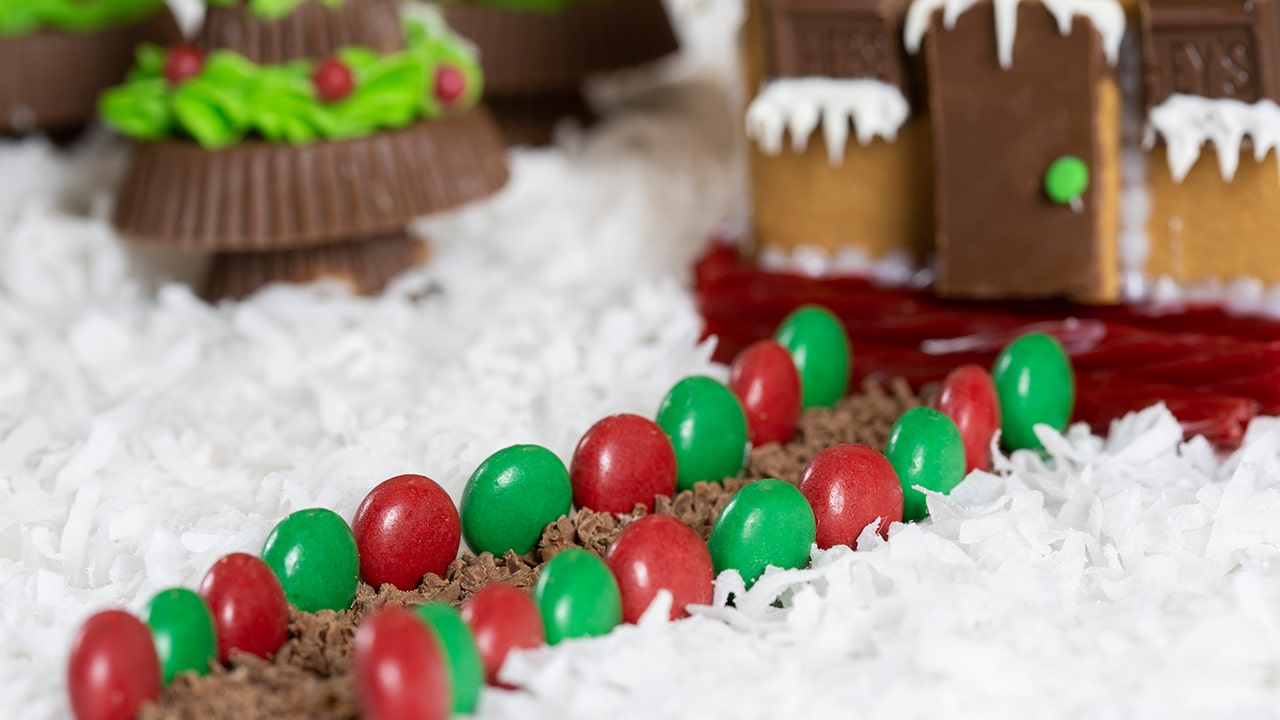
[312, 30]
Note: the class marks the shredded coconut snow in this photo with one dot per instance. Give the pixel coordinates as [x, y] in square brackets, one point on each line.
[1187, 123]
[798, 105]
[1131, 577]
[1107, 17]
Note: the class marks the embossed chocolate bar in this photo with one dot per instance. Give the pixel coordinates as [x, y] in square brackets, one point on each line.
[1212, 48]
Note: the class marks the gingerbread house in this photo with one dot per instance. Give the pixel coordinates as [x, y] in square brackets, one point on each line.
[1020, 148]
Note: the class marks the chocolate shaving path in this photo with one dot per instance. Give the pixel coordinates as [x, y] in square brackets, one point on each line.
[310, 677]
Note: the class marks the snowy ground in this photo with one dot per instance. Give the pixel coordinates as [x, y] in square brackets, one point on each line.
[143, 435]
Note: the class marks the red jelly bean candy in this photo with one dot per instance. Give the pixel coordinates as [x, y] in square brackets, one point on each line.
[400, 667]
[765, 379]
[182, 63]
[250, 612]
[405, 528]
[113, 668]
[333, 80]
[621, 461]
[659, 552]
[849, 487]
[970, 399]
[451, 84]
[502, 619]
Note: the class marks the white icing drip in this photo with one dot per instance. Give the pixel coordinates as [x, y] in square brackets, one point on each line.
[798, 105]
[1186, 123]
[1106, 15]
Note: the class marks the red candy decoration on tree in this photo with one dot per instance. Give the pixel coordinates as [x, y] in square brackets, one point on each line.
[333, 80]
[400, 668]
[113, 667]
[502, 619]
[969, 398]
[621, 461]
[182, 63]
[849, 486]
[659, 552]
[451, 84]
[405, 528]
[765, 379]
[247, 602]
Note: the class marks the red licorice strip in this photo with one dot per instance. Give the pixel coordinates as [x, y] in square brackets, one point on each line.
[1213, 370]
[1222, 419]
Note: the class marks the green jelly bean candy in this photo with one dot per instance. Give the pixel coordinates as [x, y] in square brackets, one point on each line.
[577, 597]
[1036, 385]
[819, 346]
[708, 430]
[466, 669]
[182, 628]
[768, 522]
[1066, 179]
[925, 449]
[314, 554]
[511, 497]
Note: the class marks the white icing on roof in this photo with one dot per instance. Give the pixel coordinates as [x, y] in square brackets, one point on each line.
[1187, 122]
[798, 105]
[1107, 17]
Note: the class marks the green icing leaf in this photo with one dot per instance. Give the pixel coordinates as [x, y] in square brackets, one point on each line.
[215, 116]
[138, 109]
[23, 16]
[233, 97]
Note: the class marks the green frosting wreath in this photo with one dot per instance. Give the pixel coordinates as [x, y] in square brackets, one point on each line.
[269, 9]
[18, 17]
[232, 98]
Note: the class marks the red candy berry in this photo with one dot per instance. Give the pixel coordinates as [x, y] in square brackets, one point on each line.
[113, 668]
[502, 619]
[333, 80]
[765, 379]
[621, 461]
[970, 399]
[250, 612]
[182, 63]
[849, 486]
[659, 552]
[405, 528]
[401, 670]
[451, 84]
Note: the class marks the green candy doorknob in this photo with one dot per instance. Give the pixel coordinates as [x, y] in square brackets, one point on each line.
[1066, 180]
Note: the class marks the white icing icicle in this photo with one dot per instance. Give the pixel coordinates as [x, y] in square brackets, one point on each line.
[1187, 122]
[1106, 15]
[798, 105]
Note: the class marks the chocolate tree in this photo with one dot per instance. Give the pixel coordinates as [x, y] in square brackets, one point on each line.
[297, 139]
[56, 56]
[538, 53]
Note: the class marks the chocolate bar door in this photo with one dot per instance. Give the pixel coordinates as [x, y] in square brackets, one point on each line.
[1002, 136]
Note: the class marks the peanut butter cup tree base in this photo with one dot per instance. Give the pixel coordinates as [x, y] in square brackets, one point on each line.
[364, 266]
[50, 80]
[312, 30]
[258, 196]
